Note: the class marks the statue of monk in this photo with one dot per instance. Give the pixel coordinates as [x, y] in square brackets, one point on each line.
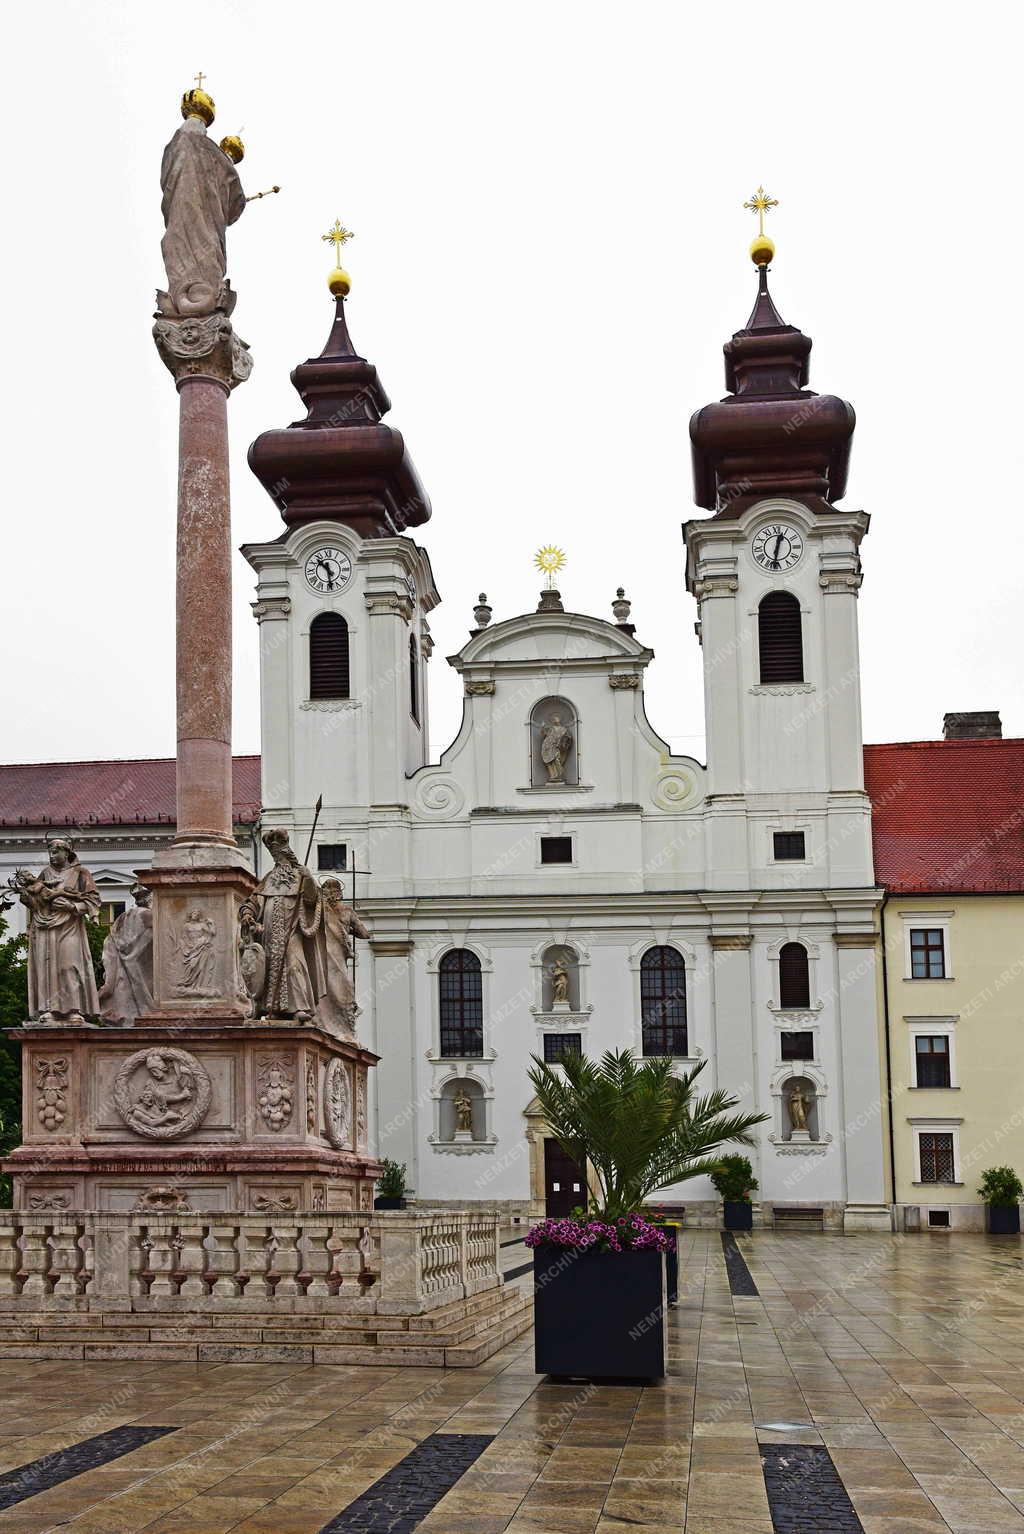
[341, 926]
[284, 918]
[127, 989]
[61, 979]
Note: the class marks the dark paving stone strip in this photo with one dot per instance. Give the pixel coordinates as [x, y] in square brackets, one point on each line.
[517, 1242]
[740, 1281]
[805, 1494]
[527, 1267]
[41, 1474]
[400, 1499]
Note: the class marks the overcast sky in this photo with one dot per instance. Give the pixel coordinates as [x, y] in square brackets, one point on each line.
[551, 249]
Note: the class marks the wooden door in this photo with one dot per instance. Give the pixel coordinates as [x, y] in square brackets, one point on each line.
[565, 1186]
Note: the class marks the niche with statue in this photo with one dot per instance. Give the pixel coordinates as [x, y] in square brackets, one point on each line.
[560, 979]
[800, 1111]
[554, 744]
[462, 1112]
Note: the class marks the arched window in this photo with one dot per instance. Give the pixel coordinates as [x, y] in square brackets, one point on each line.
[779, 638]
[328, 657]
[794, 976]
[414, 679]
[663, 1002]
[462, 1005]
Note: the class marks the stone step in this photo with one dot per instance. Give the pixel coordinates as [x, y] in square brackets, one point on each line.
[466, 1341]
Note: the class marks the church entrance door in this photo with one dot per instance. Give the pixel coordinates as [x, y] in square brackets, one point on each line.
[565, 1186]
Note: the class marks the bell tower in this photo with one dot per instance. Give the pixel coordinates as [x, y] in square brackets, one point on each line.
[342, 597]
[775, 569]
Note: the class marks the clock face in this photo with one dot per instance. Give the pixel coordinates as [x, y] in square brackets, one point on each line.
[328, 570]
[777, 546]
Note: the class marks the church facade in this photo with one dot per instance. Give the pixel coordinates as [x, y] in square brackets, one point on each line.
[560, 880]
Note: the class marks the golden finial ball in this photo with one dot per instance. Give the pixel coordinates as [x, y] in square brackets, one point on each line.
[762, 250]
[339, 282]
[197, 103]
[233, 147]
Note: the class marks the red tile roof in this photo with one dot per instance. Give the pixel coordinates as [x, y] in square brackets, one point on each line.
[948, 815]
[109, 793]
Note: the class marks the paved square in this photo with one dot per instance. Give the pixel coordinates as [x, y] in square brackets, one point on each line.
[900, 1356]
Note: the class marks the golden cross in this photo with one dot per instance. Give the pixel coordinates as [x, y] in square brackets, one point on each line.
[339, 234]
[760, 204]
[199, 78]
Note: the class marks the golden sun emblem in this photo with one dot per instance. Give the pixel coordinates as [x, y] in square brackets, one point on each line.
[550, 560]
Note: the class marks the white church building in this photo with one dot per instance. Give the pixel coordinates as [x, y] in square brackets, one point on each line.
[617, 894]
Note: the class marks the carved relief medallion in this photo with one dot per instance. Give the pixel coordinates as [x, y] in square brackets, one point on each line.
[51, 1092]
[275, 1080]
[162, 1093]
[337, 1103]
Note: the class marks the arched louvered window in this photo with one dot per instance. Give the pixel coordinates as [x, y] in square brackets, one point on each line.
[414, 679]
[794, 976]
[779, 638]
[462, 1005]
[328, 657]
[663, 1002]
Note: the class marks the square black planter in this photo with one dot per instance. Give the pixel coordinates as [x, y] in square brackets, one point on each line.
[1003, 1219]
[599, 1315]
[738, 1214]
[388, 1203]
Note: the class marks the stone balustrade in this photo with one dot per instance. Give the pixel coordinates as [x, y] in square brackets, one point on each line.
[400, 1262]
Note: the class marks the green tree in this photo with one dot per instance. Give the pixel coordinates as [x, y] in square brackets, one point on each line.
[13, 1011]
[639, 1125]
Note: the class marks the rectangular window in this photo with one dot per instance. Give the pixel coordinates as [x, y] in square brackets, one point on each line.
[936, 1157]
[556, 849]
[788, 846]
[558, 1045]
[931, 1056]
[927, 953]
[331, 857]
[939, 1217]
[798, 1046]
[109, 911]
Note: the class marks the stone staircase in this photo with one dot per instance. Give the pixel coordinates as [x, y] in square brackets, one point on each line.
[455, 1336]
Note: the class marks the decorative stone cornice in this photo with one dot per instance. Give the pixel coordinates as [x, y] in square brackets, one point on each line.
[269, 608]
[716, 586]
[204, 346]
[481, 689]
[629, 679]
[331, 705]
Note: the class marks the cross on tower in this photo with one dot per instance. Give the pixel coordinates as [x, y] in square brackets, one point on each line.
[199, 78]
[760, 204]
[339, 234]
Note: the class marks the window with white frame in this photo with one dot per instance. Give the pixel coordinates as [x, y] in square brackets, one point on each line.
[926, 953]
[937, 1151]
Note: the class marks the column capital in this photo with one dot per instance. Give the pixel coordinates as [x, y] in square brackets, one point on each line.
[730, 942]
[856, 939]
[203, 346]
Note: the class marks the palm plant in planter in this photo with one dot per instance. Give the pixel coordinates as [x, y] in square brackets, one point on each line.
[599, 1292]
[734, 1182]
[1001, 1189]
[391, 1186]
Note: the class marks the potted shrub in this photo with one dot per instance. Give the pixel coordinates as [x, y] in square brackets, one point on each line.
[391, 1185]
[599, 1277]
[734, 1182]
[1001, 1189]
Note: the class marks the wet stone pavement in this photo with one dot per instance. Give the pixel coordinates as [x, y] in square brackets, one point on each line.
[872, 1383]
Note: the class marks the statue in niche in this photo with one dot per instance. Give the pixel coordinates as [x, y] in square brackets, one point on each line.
[197, 954]
[127, 989]
[799, 1104]
[463, 1105]
[337, 1009]
[60, 899]
[555, 745]
[202, 195]
[559, 974]
[284, 941]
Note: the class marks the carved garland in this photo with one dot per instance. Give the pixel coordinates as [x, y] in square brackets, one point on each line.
[337, 1104]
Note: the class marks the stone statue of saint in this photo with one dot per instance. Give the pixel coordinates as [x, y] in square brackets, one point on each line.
[799, 1107]
[559, 984]
[202, 196]
[197, 954]
[463, 1112]
[337, 1009]
[555, 745]
[284, 920]
[127, 989]
[61, 980]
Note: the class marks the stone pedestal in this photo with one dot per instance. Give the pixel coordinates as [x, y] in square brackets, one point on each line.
[255, 1117]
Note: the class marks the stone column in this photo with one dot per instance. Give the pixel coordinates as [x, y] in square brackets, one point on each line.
[395, 1039]
[734, 1018]
[864, 1107]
